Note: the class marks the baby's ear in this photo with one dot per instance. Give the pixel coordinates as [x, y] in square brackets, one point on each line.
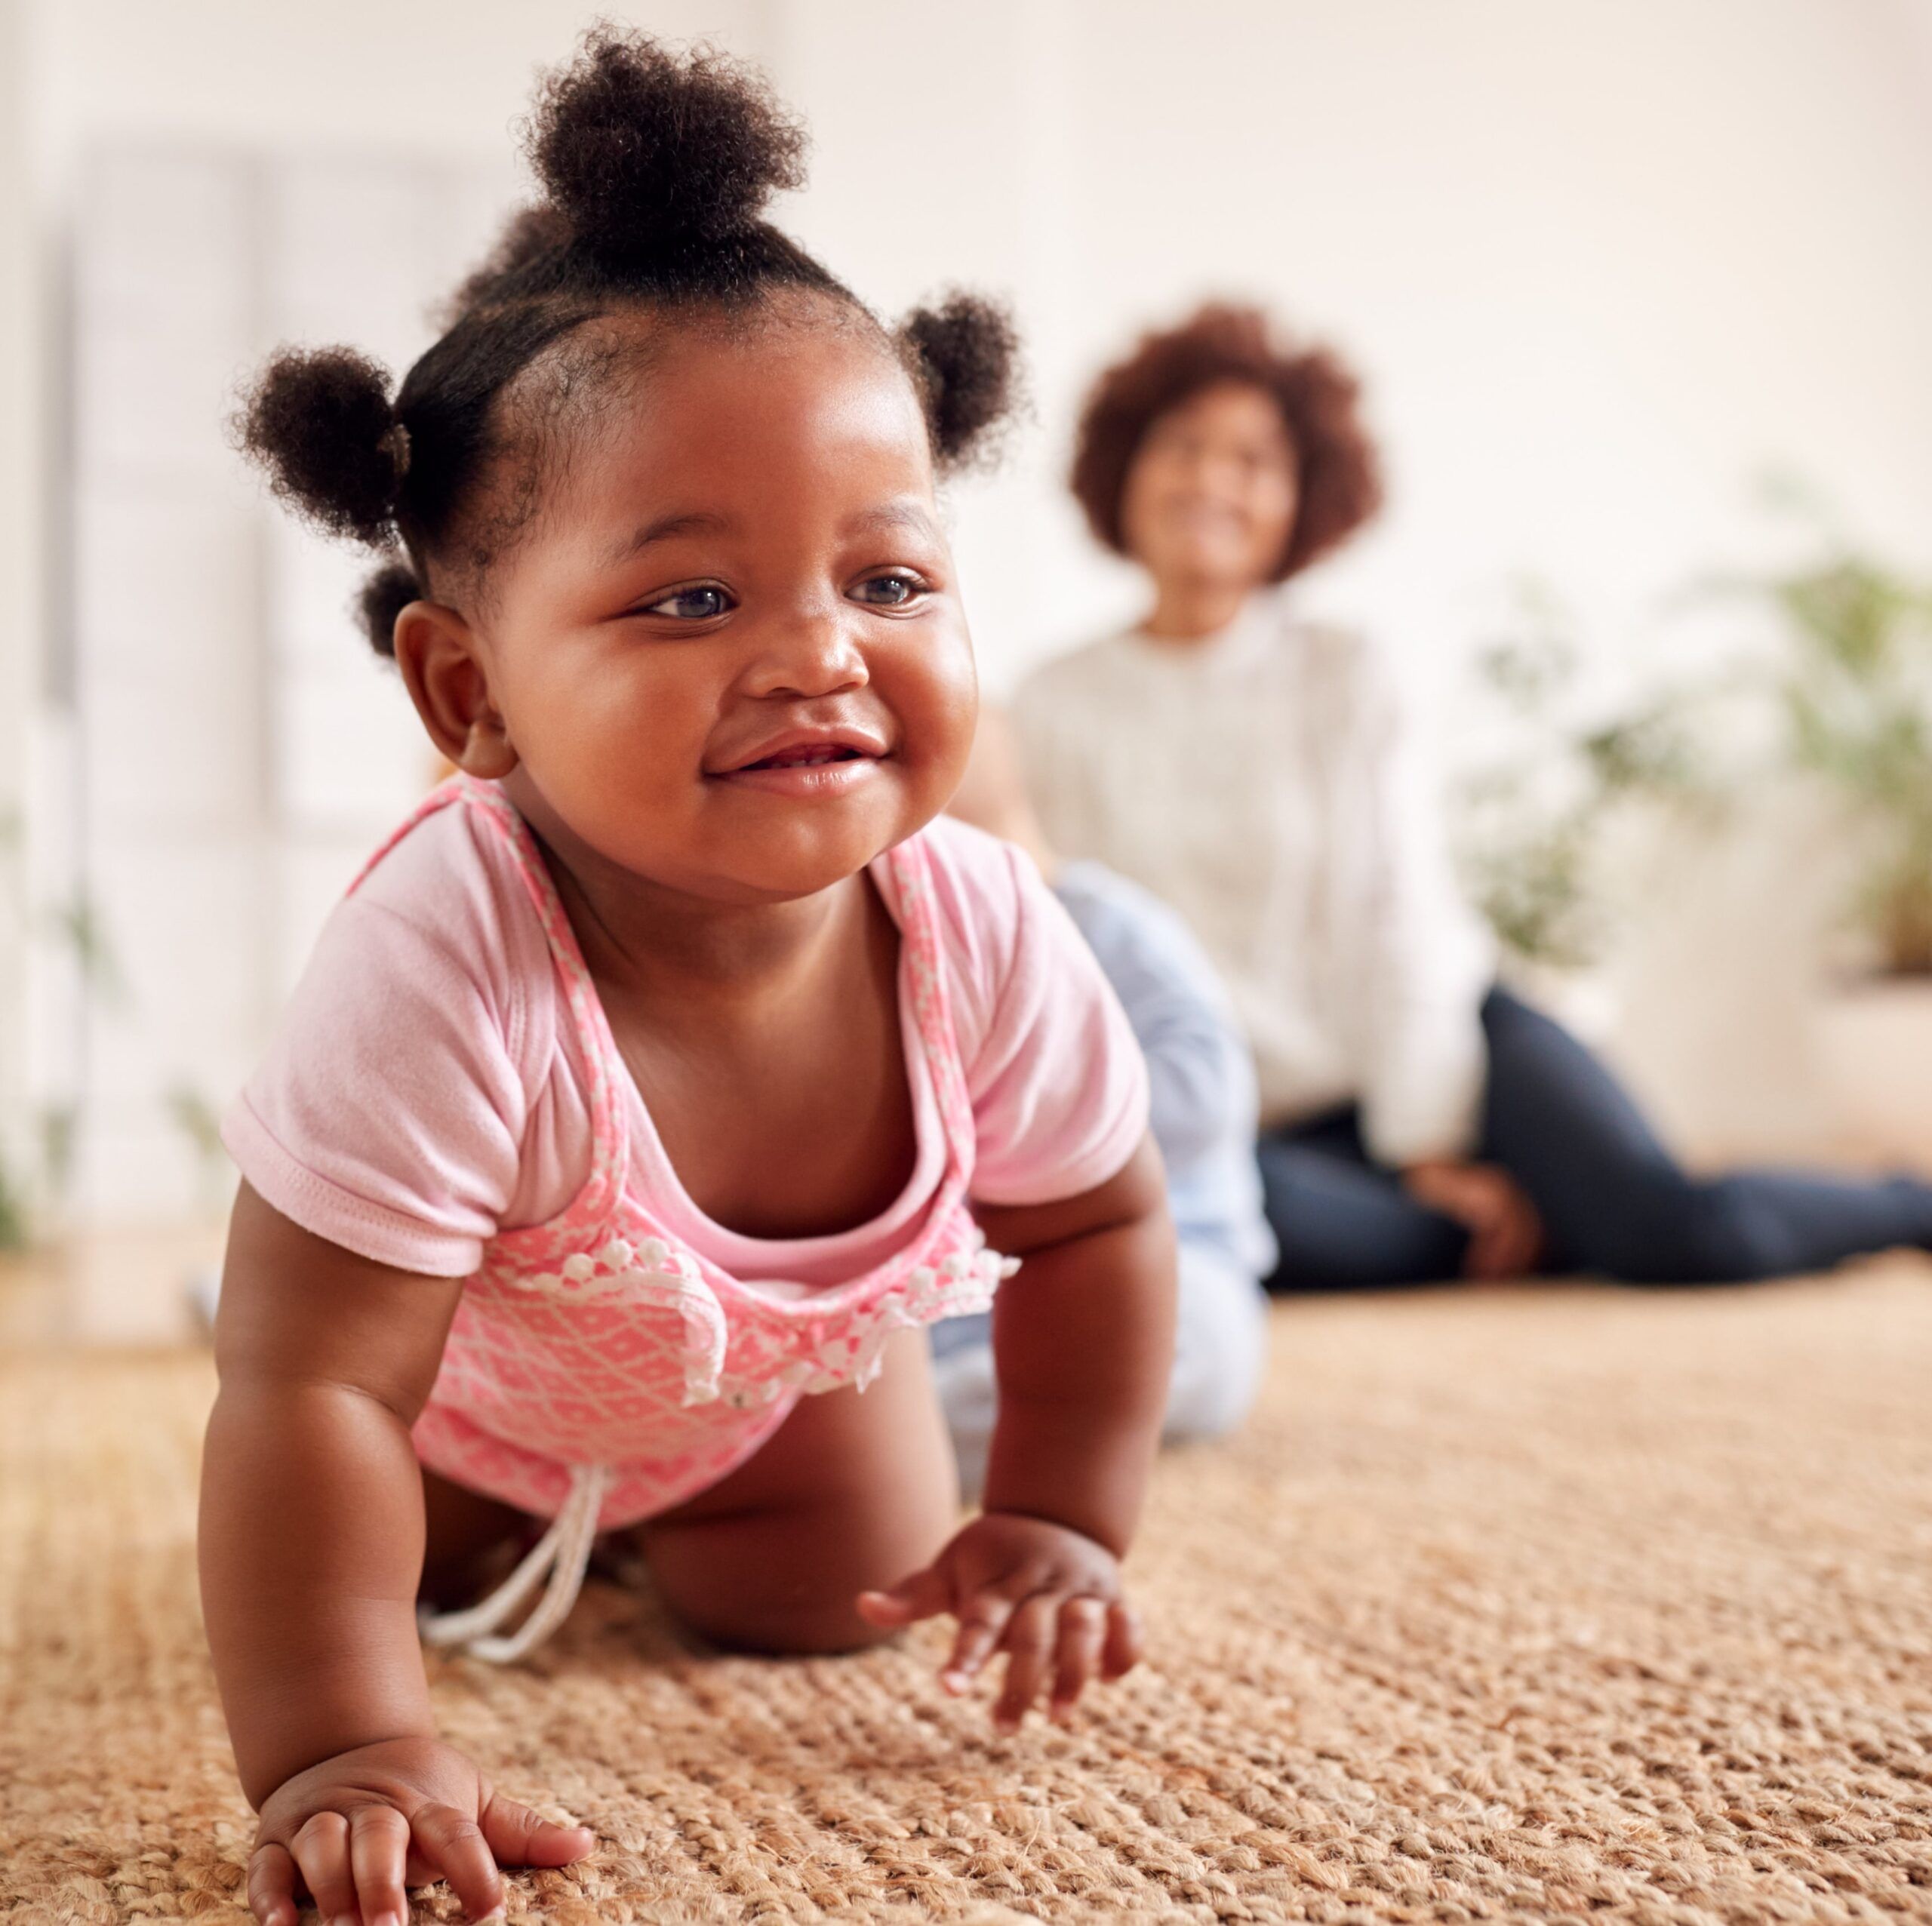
[964, 356]
[436, 651]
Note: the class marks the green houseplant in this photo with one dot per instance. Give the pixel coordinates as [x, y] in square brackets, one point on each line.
[1568, 767]
[1854, 680]
[1855, 683]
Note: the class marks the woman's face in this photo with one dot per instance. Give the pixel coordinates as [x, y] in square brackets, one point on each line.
[1211, 496]
[730, 657]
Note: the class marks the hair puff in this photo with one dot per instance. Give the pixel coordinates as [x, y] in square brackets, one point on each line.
[964, 356]
[320, 424]
[644, 151]
[381, 598]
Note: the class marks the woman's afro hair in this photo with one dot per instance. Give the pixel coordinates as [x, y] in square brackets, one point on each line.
[656, 167]
[1338, 475]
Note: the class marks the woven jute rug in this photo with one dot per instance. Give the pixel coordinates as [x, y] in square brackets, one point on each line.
[1576, 1604]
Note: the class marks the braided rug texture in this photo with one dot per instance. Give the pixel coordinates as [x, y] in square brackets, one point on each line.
[1543, 1605]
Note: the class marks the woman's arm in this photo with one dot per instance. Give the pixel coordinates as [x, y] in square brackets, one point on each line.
[1083, 1341]
[312, 1539]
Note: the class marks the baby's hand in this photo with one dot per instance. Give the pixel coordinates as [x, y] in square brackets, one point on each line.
[1048, 1598]
[355, 1829]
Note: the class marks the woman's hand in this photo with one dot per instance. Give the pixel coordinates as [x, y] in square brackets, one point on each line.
[1048, 1598]
[358, 1828]
[1506, 1238]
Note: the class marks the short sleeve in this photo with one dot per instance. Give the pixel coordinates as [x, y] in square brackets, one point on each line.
[389, 1114]
[1058, 1085]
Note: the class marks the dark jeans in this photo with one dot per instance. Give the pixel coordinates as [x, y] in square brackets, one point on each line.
[1612, 1200]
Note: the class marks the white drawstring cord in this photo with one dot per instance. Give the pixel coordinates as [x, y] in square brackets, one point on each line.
[563, 1552]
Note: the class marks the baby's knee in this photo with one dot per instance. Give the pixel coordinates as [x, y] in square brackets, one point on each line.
[744, 1586]
[780, 1629]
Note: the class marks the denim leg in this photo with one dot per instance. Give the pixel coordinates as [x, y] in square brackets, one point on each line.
[1220, 1346]
[1344, 1222]
[1616, 1202]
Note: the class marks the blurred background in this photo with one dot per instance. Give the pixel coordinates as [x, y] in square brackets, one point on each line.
[1640, 290]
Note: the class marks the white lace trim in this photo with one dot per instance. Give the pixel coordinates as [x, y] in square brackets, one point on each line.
[653, 1272]
[963, 1282]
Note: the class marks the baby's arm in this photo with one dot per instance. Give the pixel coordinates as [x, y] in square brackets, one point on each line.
[1083, 1341]
[312, 1541]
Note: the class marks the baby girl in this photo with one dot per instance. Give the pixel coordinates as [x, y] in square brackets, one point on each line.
[676, 1062]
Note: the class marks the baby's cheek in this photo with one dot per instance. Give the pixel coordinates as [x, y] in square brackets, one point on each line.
[632, 726]
[935, 695]
[615, 762]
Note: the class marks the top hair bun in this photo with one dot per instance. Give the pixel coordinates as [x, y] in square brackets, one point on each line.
[646, 151]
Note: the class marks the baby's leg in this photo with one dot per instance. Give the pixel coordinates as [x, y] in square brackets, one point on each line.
[855, 1489]
[470, 1543]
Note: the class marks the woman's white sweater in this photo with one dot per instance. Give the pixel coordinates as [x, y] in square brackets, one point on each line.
[1262, 782]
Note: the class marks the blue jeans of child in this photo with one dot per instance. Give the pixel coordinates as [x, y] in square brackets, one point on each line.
[1220, 1344]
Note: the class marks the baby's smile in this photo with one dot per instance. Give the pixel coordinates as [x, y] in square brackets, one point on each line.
[808, 762]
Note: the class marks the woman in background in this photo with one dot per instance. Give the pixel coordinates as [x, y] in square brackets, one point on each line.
[1253, 769]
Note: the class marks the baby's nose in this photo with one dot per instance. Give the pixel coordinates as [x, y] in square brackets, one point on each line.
[815, 655]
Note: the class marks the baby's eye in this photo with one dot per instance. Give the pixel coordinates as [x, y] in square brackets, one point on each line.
[893, 591]
[697, 604]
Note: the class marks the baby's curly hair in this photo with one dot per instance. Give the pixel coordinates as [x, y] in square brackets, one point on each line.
[1339, 477]
[656, 167]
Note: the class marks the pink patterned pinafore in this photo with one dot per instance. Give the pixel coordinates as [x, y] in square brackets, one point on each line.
[598, 1373]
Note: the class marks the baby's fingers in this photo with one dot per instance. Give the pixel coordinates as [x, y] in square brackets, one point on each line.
[455, 1846]
[322, 1850]
[982, 1618]
[1030, 1647]
[1083, 1636]
[519, 1837]
[378, 1847]
[1123, 1648]
[271, 1885]
[925, 1595]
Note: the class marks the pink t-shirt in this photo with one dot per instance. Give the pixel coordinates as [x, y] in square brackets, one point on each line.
[426, 1088]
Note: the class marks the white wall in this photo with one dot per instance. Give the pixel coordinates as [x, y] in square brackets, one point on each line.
[1601, 262]
[438, 76]
[20, 575]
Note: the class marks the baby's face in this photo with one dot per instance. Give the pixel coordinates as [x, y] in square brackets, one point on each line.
[729, 654]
